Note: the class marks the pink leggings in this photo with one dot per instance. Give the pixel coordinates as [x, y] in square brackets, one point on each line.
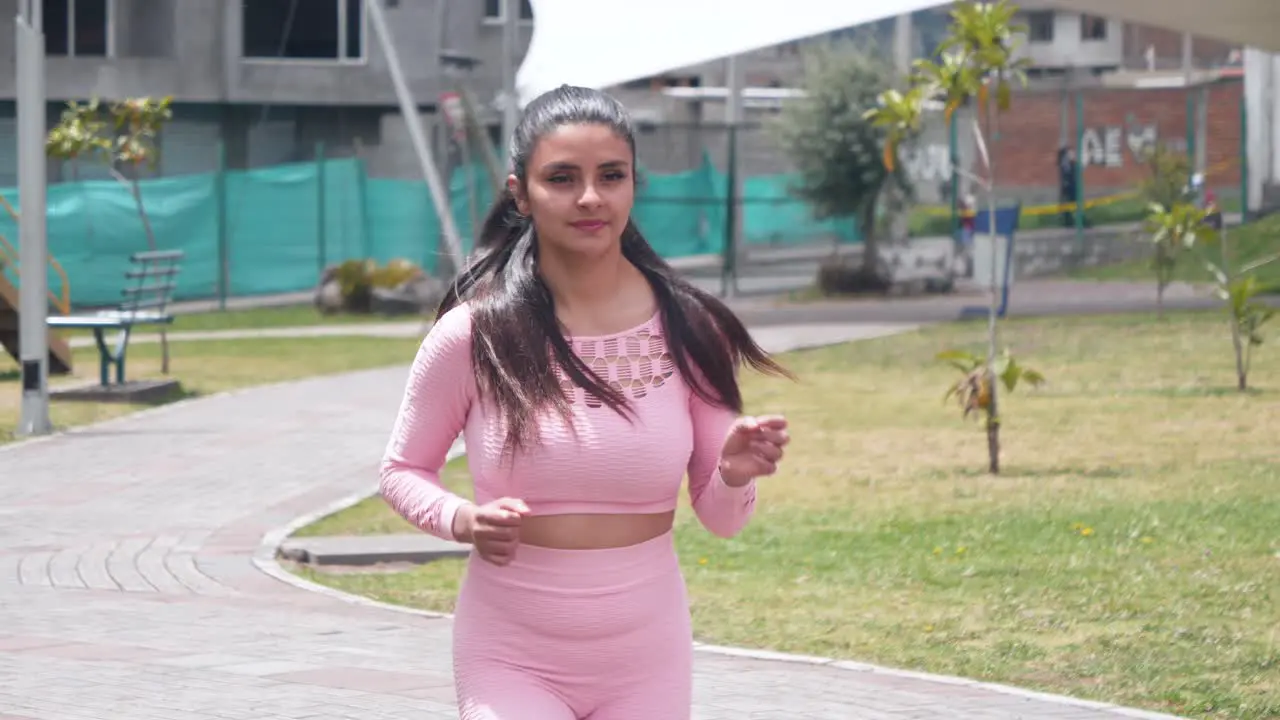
[575, 635]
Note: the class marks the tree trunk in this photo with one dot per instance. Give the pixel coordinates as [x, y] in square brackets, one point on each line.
[993, 409]
[1237, 342]
[1162, 280]
[993, 438]
[136, 189]
[1242, 373]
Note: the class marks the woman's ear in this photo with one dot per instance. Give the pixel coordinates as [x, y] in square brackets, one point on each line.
[517, 192]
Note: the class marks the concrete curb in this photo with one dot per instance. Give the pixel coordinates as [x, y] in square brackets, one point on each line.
[265, 560]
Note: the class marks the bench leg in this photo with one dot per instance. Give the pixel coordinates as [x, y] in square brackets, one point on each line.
[107, 357]
[121, 344]
[104, 358]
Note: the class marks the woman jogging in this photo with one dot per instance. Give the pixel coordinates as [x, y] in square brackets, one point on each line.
[587, 378]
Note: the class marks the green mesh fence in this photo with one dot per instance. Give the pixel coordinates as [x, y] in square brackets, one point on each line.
[273, 230]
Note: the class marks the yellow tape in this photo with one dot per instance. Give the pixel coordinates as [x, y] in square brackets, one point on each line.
[1059, 208]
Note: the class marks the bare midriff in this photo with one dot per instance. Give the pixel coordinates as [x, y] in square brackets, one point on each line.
[581, 531]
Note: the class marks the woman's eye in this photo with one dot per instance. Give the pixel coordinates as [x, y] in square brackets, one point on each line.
[558, 179]
[614, 176]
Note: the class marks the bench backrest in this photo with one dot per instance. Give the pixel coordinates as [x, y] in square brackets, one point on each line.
[150, 282]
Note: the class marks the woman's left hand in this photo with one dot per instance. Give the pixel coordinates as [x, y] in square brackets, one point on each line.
[753, 448]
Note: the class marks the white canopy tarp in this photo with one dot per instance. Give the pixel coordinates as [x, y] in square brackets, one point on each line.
[600, 43]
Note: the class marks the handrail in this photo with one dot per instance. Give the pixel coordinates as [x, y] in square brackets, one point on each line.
[63, 302]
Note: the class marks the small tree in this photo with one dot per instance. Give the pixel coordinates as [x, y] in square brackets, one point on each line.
[1169, 175]
[976, 65]
[973, 390]
[835, 147]
[1185, 226]
[123, 136]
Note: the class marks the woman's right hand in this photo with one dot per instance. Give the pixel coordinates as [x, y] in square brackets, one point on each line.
[493, 528]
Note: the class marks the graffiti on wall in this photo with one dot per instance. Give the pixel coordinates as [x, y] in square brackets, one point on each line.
[1114, 146]
[928, 165]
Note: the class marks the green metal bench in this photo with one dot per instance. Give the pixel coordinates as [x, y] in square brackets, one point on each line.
[150, 283]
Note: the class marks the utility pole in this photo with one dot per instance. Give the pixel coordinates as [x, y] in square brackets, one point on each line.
[733, 203]
[33, 255]
[413, 121]
[510, 101]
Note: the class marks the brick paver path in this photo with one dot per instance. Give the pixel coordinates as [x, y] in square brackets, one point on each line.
[128, 592]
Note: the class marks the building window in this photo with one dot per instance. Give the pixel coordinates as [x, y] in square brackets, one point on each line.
[1040, 26]
[495, 11]
[1093, 27]
[77, 27]
[303, 29]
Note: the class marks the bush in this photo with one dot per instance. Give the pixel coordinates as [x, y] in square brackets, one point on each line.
[357, 279]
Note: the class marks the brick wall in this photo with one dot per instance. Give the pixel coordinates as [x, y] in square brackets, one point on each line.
[1116, 121]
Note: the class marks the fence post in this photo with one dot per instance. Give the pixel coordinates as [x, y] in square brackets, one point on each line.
[1080, 169]
[1191, 128]
[220, 203]
[322, 239]
[953, 148]
[1244, 158]
[366, 226]
[729, 274]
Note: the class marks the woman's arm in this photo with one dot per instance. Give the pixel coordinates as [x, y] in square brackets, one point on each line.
[433, 412]
[721, 508]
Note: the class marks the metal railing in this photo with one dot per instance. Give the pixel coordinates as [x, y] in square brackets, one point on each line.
[9, 259]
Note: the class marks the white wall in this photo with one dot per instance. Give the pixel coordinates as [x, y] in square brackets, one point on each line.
[1262, 101]
[1068, 49]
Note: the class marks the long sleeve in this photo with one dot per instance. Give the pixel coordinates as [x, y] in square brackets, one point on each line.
[722, 509]
[433, 412]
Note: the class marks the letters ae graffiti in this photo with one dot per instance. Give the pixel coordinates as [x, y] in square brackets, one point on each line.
[1114, 146]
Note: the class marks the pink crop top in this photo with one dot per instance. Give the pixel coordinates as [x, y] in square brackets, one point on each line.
[612, 464]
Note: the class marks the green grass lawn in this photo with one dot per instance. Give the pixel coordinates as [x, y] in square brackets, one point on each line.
[1248, 242]
[1130, 552]
[206, 367]
[273, 317]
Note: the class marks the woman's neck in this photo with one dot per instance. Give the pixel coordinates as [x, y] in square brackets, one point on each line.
[594, 290]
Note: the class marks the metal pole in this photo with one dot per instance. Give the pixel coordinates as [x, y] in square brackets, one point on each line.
[733, 218]
[902, 45]
[322, 238]
[510, 101]
[1244, 160]
[413, 121]
[224, 255]
[953, 157]
[33, 255]
[1079, 198]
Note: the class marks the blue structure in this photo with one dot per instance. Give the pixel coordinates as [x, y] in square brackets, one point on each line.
[1007, 219]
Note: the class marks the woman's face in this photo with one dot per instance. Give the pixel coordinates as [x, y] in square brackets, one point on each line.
[579, 189]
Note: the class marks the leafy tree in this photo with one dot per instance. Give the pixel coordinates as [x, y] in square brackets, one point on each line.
[123, 135]
[1184, 225]
[1168, 177]
[834, 146]
[976, 65]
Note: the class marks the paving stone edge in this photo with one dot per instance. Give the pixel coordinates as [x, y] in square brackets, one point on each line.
[265, 560]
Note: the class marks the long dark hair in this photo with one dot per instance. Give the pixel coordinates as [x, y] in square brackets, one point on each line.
[513, 315]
